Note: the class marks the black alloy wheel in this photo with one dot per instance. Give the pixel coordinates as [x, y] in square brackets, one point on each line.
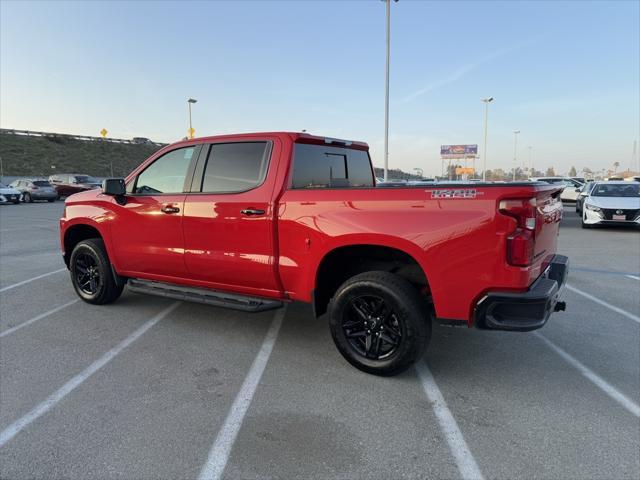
[380, 322]
[91, 273]
[87, 274]
[371, 327]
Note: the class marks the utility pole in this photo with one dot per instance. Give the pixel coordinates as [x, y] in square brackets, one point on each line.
[486, 121]
[386, 93]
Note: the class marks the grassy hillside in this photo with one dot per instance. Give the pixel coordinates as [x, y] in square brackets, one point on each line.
[22, 155]
[43, 156]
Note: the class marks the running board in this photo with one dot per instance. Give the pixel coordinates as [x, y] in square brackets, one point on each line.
[203, 295]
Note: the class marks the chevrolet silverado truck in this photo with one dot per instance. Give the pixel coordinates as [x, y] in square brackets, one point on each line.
[252, 221]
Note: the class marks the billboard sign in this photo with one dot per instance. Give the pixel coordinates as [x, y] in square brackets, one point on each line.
[458, 151]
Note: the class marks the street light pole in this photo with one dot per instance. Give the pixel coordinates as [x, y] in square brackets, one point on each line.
[189, 102]
[530, 160]
[486, 121]
[515, 152]
[386, 94]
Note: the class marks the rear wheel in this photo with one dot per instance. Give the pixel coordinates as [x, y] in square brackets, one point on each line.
[51, 200]
[379, 323]
[91, 273]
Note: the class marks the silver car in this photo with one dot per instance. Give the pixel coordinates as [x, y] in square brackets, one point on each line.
[32, 189]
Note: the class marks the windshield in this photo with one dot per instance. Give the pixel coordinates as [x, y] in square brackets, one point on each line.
[41, 183]
[616, 190]
[85, 179]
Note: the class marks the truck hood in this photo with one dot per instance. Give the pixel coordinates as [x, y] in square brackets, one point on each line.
[625, 203]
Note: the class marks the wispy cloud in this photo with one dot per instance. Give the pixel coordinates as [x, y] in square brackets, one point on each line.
[465, 69]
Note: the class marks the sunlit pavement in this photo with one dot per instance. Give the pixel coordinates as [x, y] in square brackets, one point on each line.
[139, 390]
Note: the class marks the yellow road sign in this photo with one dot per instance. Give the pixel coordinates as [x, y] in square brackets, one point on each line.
[462, 170]
[192, 132]
[103, 132]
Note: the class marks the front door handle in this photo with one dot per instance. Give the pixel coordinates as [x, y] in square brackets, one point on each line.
[170, 209]
[252, 211]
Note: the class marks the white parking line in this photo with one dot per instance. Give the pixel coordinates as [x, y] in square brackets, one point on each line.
[35, 319]
[465, 462]
[598, 381]
[53, 399]
[629, 315]
[4, 289]
[221, 449]
[633, 277]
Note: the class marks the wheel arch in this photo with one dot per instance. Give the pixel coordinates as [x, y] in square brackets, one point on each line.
[78, 232]
[346, 261]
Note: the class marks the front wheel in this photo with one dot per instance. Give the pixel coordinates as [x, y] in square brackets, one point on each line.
[583, 224]
[379, 323]
[91, 273]
[26, 198]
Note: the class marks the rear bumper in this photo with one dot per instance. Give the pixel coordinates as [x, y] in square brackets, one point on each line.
[525, 311]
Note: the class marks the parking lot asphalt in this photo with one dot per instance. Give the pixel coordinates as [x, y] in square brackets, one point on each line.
[137, 390]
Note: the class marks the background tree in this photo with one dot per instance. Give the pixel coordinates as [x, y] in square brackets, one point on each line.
[551, 172]
[573, 172]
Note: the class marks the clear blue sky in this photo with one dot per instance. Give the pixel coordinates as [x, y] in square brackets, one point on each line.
[566, 74]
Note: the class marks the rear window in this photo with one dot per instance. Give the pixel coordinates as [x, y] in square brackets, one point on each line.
[320, 166]
[41, 183]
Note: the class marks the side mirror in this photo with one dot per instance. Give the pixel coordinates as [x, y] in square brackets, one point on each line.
[116, 188]
[578, 189]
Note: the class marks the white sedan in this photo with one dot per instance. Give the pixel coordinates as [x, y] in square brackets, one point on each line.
[8, 194]
[615, 202]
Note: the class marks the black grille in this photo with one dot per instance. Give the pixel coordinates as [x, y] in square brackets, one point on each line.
[629, 214]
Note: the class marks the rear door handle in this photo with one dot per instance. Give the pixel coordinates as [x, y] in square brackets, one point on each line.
[170, 209]
[252, 211]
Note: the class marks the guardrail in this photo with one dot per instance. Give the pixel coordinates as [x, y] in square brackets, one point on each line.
[86, 138]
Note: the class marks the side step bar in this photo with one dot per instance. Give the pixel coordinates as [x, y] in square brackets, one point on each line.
[203, 295]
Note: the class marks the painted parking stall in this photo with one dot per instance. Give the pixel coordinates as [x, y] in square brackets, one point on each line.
[144, 388]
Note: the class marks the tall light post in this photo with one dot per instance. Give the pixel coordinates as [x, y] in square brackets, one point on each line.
[191, 130]
[386, 92]
[486, 120]
[515, 152]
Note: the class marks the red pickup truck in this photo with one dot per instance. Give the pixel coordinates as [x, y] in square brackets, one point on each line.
[251, 221]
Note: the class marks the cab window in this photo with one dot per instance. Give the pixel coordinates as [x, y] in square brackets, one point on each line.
[166, 174]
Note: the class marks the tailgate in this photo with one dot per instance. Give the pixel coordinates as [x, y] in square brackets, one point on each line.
[548, 217]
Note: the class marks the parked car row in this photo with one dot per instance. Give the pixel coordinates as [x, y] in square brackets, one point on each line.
[56, 186]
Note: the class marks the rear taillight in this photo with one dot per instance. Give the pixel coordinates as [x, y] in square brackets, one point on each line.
[34, 188]
[520, 244]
